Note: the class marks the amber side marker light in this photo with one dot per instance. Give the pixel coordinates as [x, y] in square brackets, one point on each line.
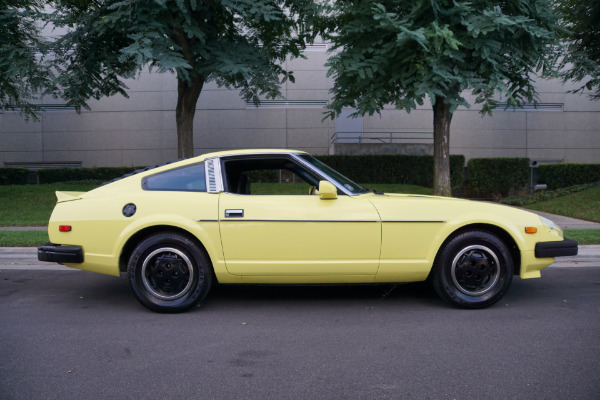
[530, 229]
[64, 228]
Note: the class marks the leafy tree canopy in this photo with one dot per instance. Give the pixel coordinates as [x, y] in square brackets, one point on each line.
[22, 73]
[581, 60]
[399, 53]
[236, 43]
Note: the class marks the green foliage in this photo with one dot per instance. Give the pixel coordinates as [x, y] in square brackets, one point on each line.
[241, 44]
[23, 238]
[13, 176]
[494, 177]
[546, 195]
[377, 169]
[388, 168]
[31, 205]
[400, 53]
[563, 175]
[583, 236]
[52, 175]
[22, 70]
[237, 43]
[581, 56]
[582, 205]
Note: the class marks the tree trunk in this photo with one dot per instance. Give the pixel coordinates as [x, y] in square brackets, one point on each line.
[441, 147]
[187, 97]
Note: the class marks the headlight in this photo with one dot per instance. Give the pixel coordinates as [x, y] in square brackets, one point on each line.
[550, 224]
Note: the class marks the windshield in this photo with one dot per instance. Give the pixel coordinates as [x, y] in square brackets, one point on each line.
[340, 179]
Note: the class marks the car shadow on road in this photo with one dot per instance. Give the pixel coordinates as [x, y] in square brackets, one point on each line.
[81, 289]
[253, 295]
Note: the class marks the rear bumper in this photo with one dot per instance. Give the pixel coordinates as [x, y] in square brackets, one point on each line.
[561, 248]
[60, 254]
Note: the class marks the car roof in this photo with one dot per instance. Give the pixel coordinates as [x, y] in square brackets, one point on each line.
[247, 151]
[202, 157]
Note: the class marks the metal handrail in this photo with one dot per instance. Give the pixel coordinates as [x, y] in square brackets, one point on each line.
[383, 137]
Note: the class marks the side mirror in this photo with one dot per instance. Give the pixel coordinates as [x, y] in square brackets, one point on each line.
[327, 190]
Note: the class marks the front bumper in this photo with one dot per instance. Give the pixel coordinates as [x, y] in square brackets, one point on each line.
[60, 254]
[560, 248]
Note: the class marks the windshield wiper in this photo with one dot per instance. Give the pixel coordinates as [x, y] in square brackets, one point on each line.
[375, 191]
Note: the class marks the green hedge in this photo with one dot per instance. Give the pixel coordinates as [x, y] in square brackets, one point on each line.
[393, 168]
[564, 175]
[52, 175]
[384, 168]
[13, 176]
[494, 177]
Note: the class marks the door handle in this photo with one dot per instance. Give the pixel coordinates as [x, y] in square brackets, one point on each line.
[237, 213]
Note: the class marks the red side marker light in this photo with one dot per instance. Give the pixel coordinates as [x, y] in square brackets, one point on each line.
[65, 228]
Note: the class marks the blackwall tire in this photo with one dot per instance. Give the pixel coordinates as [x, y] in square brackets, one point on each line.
[168, 272]
[473, 270]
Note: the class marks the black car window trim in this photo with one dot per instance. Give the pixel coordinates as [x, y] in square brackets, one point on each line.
[305, 170]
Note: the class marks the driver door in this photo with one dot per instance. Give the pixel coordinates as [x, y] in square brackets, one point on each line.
[300, 236]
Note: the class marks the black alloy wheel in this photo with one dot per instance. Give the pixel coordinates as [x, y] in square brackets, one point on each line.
[473, 270]
[168, 272]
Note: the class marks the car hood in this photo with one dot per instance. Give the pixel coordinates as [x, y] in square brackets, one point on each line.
[414, 208]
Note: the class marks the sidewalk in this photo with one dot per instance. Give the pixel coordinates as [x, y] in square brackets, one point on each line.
[566, 222]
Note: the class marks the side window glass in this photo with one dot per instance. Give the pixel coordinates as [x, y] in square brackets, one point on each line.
[268, 176]
[190, 178]
[278, 182]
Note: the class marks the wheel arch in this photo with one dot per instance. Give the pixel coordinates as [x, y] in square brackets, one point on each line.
[142, 234]
[502, 234]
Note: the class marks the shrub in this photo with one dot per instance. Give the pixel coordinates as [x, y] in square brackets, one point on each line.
[13, 176]
[394, 168]
[564, 175]
[522, 201]
[52, 175]
[495, 177]
[384, 168]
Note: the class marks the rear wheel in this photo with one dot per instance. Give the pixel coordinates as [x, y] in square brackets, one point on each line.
[168, 272]
[474, 270]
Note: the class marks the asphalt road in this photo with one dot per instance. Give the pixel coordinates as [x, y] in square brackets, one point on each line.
[80, 335]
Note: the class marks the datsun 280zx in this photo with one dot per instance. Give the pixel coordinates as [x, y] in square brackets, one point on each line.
[177, 229]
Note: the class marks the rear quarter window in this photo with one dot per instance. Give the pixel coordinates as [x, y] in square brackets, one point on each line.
[190, 178]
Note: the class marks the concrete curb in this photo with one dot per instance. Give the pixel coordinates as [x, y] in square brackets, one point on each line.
[26, 258]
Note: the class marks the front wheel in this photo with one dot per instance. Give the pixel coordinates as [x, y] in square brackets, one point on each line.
[474, 270]
[168, 272]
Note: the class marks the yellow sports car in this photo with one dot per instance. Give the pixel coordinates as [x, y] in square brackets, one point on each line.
[176, 229]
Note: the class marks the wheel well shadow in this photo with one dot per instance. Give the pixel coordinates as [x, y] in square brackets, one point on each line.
[144, 233]
[499, 232]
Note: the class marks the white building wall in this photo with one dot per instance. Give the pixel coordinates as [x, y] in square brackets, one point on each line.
[141, 130]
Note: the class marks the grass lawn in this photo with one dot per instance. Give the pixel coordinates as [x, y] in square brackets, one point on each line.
[583, 236]
[582, 205]
[303, 188]
[23, 238]
[31, 205]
